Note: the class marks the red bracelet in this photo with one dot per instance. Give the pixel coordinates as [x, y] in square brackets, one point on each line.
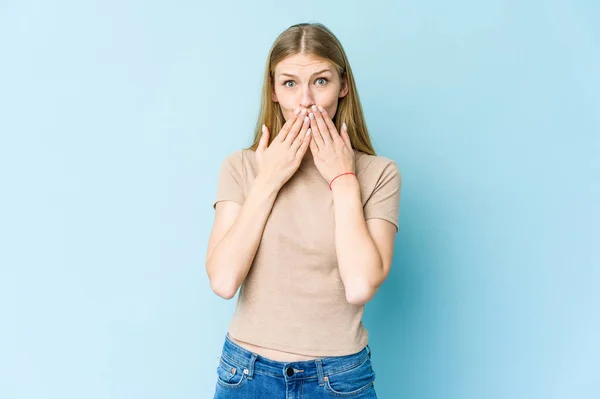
[347, 173]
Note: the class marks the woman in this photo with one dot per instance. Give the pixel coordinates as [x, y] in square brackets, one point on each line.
[305, 222]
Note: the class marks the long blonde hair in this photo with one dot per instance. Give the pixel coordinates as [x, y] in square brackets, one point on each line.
[316, 40]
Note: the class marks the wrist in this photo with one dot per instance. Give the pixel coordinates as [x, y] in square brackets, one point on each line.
[344, 182]
[266, 186]
[341, 176]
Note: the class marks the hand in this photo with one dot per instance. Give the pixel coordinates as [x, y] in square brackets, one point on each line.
[278, 161]
[332, 152]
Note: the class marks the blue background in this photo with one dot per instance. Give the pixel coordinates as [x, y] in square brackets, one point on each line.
[115, 116]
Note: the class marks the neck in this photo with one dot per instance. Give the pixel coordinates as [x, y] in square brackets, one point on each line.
[308, 161]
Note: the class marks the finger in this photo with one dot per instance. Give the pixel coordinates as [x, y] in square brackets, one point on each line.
[313, 146]
[320, 122]
[264, 138]
[288, 125]
[346, 136]
[301, 124]
[316, 134]
[330, 125]
[302, 143]
[300, 136]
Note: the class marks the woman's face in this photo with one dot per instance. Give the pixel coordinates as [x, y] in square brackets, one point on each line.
[301, 81]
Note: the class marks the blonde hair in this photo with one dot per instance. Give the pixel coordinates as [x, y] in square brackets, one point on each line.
[316, 40]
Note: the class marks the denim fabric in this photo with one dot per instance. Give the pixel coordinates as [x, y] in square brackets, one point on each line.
[242, 374]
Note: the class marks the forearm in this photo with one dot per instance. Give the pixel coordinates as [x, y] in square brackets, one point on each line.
[359, 261]
[231, 259]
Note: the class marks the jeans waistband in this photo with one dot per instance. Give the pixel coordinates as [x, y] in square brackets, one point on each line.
[251, 362]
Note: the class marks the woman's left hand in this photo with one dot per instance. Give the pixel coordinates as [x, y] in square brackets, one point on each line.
[333, 153]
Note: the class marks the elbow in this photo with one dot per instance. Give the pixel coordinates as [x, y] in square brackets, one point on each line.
[225, 290]
[360, 295]
[221, 285]
[361, 289]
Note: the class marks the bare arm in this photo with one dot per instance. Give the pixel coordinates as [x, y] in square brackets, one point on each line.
[237, 229]
[364, 247]
[235, 237]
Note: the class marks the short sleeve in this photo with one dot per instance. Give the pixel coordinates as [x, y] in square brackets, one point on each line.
[384, 202]
[230, 183]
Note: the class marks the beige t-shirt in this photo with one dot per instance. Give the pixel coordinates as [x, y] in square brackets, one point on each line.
[293, 298]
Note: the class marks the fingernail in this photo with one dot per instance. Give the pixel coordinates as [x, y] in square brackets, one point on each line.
[344, 126]
[303, 111]
[312, 116]
[297, 111]
[306, 119]
[321, 109]
[263, 127]
[314, 108]
[308, 132]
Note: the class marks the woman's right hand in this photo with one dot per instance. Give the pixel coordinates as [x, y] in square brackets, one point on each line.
[278, 161]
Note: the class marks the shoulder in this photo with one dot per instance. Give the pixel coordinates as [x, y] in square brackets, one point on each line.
[375, 166]
[380, 185]
[235, 156]
[240, 159]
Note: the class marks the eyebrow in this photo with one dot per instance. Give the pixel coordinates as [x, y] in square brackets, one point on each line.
[316, 73]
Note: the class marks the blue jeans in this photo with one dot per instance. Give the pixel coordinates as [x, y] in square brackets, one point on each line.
[242, 374]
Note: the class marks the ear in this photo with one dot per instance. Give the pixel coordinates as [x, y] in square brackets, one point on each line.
[344, 90]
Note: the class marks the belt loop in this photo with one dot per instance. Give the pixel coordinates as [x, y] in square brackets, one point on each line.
[320, 376]
[251, 366]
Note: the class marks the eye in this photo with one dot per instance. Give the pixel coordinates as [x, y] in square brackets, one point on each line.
[324, 81]
[289, 81]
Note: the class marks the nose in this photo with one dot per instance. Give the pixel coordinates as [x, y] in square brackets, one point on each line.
[307, 99]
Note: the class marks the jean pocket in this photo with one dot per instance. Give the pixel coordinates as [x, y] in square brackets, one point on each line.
[351, 382]
[230, 375]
